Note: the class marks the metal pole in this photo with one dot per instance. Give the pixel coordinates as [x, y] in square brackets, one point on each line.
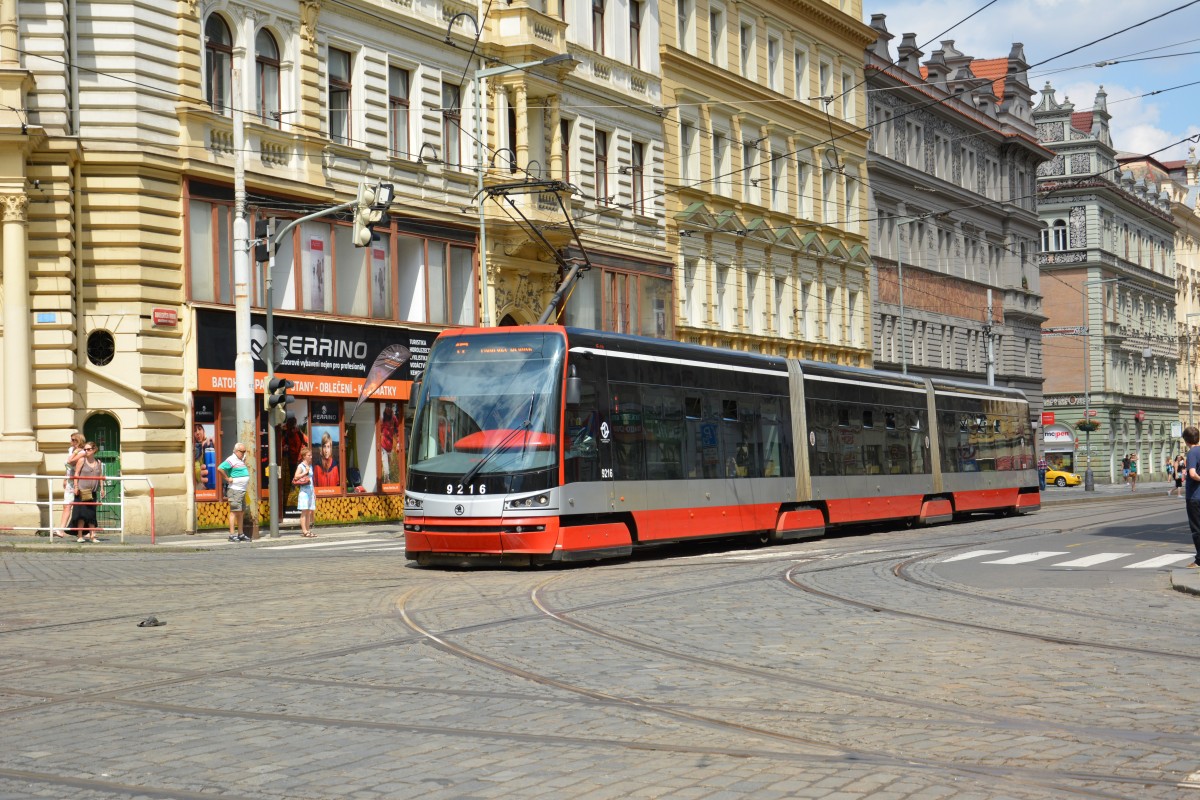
[243, 362]
[1089, 480]
[484, 312]
[269, 357]
[991, 353]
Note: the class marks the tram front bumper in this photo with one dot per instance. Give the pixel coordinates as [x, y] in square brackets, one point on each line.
[481, 537]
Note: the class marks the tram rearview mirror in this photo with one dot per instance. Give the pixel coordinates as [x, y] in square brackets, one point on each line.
[574, 389]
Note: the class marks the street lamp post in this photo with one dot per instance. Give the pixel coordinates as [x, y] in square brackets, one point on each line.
[1089, 480]
[1187, 332]
[480, 74]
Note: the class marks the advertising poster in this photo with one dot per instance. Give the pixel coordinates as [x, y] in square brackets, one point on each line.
[391, 451]
[314, 273]
[381, 288]
[326, 437]
[204, 448]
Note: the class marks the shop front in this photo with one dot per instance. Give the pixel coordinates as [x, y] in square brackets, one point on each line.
[1058, 443]
[358, 450]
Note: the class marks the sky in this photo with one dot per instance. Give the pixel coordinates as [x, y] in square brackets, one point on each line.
[1048, 28]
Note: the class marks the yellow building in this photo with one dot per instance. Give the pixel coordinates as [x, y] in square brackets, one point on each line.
[766, 170]
[118, 154]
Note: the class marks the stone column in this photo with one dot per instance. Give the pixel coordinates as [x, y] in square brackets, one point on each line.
[18, 397]
[522, 100]
[18, 449]
[557, 145]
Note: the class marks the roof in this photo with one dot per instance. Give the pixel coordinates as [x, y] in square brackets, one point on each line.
[1082, 121]
[994, 69]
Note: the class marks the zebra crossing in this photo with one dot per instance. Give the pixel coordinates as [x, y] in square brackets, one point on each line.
[1048, 558]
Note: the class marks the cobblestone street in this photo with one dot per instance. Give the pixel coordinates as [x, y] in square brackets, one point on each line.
[839, 668]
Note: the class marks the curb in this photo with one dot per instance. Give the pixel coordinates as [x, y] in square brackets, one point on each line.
[1186, 581]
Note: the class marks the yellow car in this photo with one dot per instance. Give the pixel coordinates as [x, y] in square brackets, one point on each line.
[1060, 477]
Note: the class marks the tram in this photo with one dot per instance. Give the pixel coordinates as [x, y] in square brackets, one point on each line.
[545, 443]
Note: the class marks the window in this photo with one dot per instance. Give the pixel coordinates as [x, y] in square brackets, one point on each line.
[778, 182]
[598, 26]
[850, 213]
[685, 16]
[266, 63]
[339, 95]
[774, 66]
[725, 299]
[398, 111]
[752, 300]
[438, 280]
[623, 301]
[602, 195]
[804, 188]
[916, 144]
[564, 132]
[635, 33]
[801, 68]
[451, 124]
[637, 178]
[749, 160]
[881, 134]
[1054, 238]
[825, 77]
[687, 151]
[746, 44]
[716, 36]
[941, 156]
[777, 306]
[692, 308]
[218, 63]
[829, 193]
[720, 164]
[831, 314]
[848, 96]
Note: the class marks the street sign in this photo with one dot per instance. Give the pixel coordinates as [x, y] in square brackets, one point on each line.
[1093, 412]
[1047, 417]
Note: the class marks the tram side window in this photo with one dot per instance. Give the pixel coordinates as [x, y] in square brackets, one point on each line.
[776, 452]
[824, 423]
[662, 424]
[628, 435]
[701, 445]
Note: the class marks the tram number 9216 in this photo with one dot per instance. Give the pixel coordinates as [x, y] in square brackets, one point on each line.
[452, 488]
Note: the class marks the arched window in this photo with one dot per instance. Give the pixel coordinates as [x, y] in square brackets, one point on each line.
[1055, 237]
[266, 61]
[218, 63]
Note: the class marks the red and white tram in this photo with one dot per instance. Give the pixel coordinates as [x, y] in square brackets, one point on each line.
[544, 443]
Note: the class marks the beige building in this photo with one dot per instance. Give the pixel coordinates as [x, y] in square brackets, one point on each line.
[118, 149]
[766, 176]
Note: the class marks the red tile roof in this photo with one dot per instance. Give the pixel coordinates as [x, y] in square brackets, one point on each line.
[1082, 121]
[994, 69]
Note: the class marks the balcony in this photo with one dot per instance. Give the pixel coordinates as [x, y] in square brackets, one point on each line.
[520, 32]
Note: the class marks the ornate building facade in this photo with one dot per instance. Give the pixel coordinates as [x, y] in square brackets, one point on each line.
[118, 166]
[953, 227]
[765, 176]
[1109, 277]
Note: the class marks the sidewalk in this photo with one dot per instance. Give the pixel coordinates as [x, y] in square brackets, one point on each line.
[110, 541]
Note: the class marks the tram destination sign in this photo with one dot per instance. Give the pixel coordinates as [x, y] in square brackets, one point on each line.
[1068, 330]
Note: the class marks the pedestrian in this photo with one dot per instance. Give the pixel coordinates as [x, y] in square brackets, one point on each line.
[1125, 468]
[1191, 437]
[1180, 468]
[74, 456]
[88, 471]
[235, 476]
[1042, 466]
[1133, 472]
[306, 501]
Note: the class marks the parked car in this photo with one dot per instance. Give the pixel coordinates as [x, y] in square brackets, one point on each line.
[1060, 477]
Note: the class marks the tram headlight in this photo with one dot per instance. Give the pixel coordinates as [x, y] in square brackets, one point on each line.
[533, 501]
[414, 503]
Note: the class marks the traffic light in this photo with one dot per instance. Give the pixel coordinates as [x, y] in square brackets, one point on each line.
[276, 399]
[371, 210]
[262, 238]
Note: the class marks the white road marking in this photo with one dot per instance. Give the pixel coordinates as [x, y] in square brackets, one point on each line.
[972, 554]
[1089, 561]
[335, 543]
[1160, 561]
[1025, 558]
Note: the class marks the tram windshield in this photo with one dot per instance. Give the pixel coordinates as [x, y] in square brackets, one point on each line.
[488, 413]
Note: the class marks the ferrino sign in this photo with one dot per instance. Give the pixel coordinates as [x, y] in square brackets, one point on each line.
[331, 348]
[335, 355]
